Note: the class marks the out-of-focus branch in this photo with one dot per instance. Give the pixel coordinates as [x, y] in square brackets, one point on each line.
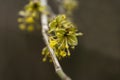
[52, 14]
[60, 7]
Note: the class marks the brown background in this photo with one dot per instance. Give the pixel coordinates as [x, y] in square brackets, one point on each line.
[97, 57]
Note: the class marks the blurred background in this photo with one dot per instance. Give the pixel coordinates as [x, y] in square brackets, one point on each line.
[97, 57]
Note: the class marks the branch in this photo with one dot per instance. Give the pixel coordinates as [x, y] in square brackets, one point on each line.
[60, 7]
[52, 14]
[44, 22]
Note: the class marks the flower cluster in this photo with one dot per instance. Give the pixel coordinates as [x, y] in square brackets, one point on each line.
[62, 36]
[30, 16]
[69, 5]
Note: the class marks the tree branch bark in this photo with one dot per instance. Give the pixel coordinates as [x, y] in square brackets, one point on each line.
[44, 22]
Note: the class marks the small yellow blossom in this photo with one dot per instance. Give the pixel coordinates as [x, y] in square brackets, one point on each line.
[58, 34]
[22, 27]
[44, 59]
[30, 28]
[53, 43]
[34, 14]
[29, 20]
[29, 9]
[63, 17]
[63, 53]
[20, 20]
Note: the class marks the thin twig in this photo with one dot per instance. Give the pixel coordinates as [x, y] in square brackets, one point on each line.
[52, 14]
[44, 22]
[60, 7]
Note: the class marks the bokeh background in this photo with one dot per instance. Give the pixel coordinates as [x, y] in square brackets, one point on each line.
[97, 57]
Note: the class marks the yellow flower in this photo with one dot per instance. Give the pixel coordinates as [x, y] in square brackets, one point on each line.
[44, 59]
[34, 14]
[29, 9]
[20, 20]
[63, 53]
[53, 43]
[22, 27]
[30, 28]
[29, 20]
[58, 34]
[63, 16]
